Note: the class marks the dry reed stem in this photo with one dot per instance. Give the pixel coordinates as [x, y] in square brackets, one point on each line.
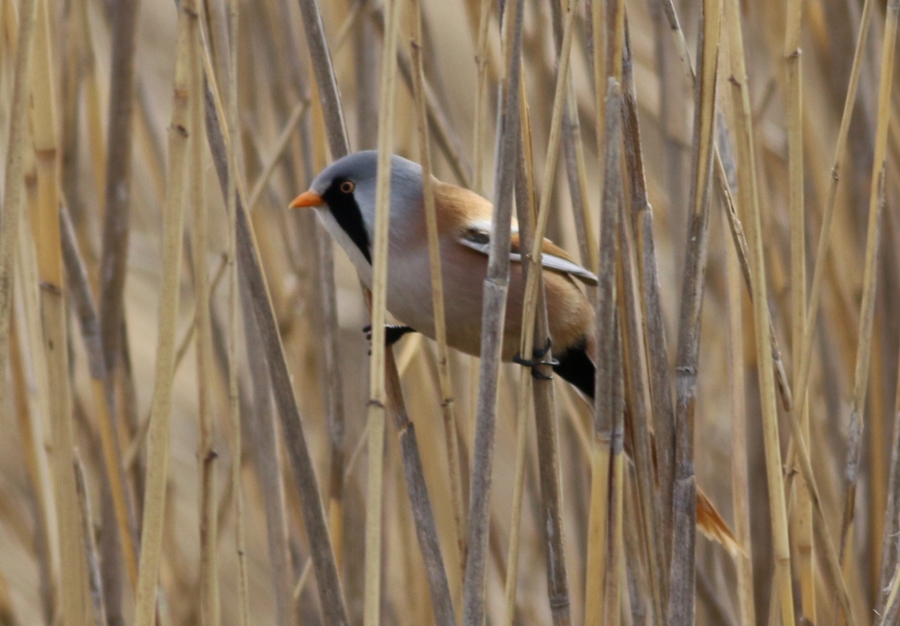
[90, 544]
[747, 185]
[160, 415]
[802, 509]
[437, 287]
[606, 378]
[329, 586]
[281, 146]
[889, 615]
[653, 345]
[233, 330]
[831, 200]
[13, 191]
[739, 474]
[496, 283]
[482, 58]
[681, 608]
[867, 306]
[206, 455]
[377, 392]
[47, 239]
[117, 193]
[534, 315]
[525, 209]
[101, 386]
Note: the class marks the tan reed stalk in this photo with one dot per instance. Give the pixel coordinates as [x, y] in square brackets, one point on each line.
[278, 153]
[482, 63]
[206, 455]
[439, 125]
[329, 587]
[889, 615]
[496, 284]
[39, 490]
[377, 392]
[117, 190]
[233, 323]
[802, 508]
[74, 589]
[437, 286]
[681, 608]
[534, 315]
[616, 584]
[750, 201]
[90, 544]
[739, 478]
[831, 200]
[607, 368]
[13, 198]
[867, 306]
[654, 345]
[525, 208]
[154, 513]
[102, 392]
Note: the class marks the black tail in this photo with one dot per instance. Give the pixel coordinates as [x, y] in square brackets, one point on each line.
[576, 367]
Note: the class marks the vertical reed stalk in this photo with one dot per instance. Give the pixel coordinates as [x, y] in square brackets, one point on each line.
[74, 589]
[377, 394]
[607, 378]
[681, 609]
[160, 413]
[749, 200]
[437, 286]
[496, 284]
[867, 306]
[803, 508]
[13, 196]
[206, 455]
[739, 480]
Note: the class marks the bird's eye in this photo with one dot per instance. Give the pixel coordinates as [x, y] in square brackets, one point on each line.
[347, 186]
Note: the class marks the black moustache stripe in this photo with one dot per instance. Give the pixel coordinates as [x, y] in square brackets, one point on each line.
[346, 212]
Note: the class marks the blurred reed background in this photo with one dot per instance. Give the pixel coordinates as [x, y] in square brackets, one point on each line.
[164, 461]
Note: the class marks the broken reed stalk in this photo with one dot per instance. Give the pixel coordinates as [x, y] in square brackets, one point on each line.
[13, 189]
[681, 608]
[206, 456]
[437, 286]
[740, 486]
[606, 378]
[819, 268]
[867, 306]
[74, 584]
[802, 509]
[113, 262]
[154, 514]
[233, 323]
[101, 386]
[656, 364]
[496, 284]
[377, 392]
[749, 200]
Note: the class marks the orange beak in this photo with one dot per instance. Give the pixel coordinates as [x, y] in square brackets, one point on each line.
[307, 199]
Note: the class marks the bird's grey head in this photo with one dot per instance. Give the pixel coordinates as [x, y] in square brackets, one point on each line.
[347, 187]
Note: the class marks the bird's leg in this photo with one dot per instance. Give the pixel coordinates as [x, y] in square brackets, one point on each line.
[392, 333]
[536, 359]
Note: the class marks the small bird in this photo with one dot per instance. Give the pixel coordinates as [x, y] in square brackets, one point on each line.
[343, 195]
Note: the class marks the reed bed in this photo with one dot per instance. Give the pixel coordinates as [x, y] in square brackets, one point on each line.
[196, 430]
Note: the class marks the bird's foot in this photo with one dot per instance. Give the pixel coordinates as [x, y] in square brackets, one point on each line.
[392, 333]
[537, 356]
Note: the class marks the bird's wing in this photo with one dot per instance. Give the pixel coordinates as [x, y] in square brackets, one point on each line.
[477, 236]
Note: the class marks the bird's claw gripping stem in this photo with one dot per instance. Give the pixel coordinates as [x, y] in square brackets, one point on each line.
[537, 355]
